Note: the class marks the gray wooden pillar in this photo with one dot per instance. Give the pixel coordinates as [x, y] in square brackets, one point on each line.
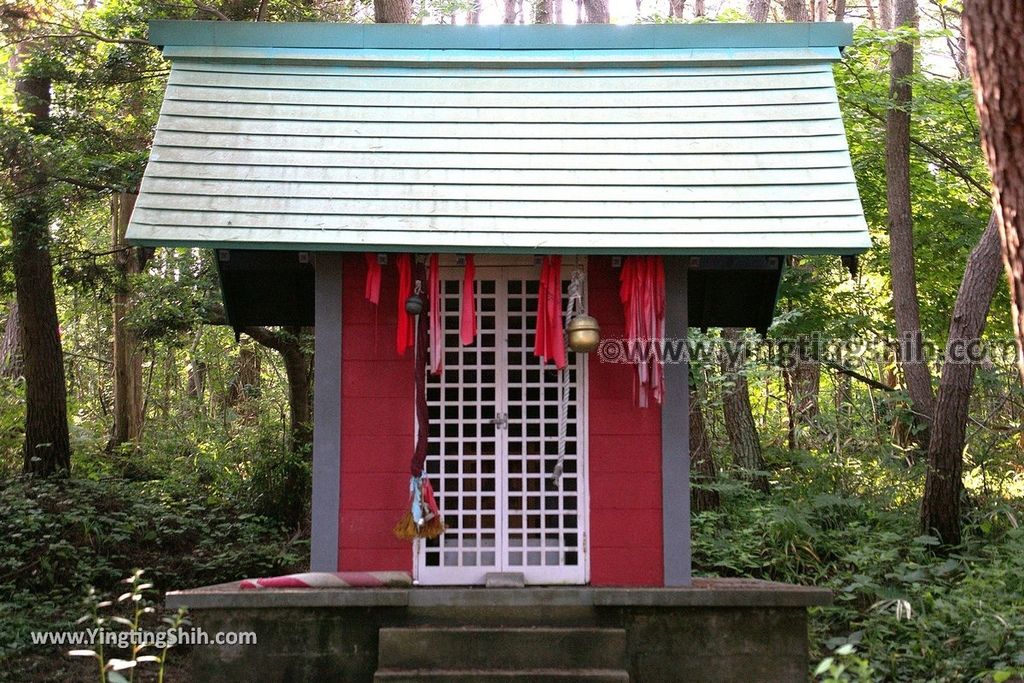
[675, 433]
[324, 553]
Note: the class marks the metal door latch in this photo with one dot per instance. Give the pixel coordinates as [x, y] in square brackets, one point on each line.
[500, 420]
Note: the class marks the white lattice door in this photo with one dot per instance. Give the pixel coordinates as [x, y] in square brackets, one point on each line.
[493, 447]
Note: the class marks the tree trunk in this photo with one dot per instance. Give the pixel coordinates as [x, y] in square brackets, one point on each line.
[298, 369]
[127, 355]
[758, 10]
[821, 10]
[392, 11]
[888, 20]
[543, 12]
[702, 460]
[940, 507]
[473, 14]
[47, 446]
[246, 381]
[699, 10]
[995, 55]
[739, 419]
[794, 10]
[597, 11]
[840, 10]
[676, 8]
[906, 308]
[11, 365]
[872, 18]
[510, 12]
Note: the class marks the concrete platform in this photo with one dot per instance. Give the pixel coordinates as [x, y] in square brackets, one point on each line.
[715, 630]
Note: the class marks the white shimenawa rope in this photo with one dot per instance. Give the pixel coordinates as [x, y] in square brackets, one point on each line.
[573, 308]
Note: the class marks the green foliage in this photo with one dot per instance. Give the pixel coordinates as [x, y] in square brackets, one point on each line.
[59, 537]
[912, 615]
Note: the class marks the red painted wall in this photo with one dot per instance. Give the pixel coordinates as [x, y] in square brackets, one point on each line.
[377, 441]
[376, 425]
[625, 455]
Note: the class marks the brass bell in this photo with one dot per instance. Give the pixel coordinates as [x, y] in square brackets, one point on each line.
[414, 305]
[584, 334]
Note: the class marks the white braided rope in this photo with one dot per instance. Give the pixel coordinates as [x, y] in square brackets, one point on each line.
[573, 308]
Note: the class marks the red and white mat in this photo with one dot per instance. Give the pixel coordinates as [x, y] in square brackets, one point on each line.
[331, 580]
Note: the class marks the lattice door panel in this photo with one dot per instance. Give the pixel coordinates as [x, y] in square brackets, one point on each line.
[543, 526]
[493, 446]
[464, 449]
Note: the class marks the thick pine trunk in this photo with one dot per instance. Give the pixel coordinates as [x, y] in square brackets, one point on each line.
[940, 507]
[995, 54]
[596, 11]
[702, 459]
[758, 10]
[906, 308]
[10, 345]
[392, 11]
[795, 10]
[543, 12]
[739, 418]
[47, 446]
[127, 353]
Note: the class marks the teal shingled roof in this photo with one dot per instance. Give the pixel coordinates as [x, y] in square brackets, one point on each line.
[701, 139]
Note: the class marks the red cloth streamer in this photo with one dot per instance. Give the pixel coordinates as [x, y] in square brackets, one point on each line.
[405, 336]
[549, 340]
[467, 316]
[642, 292]
[436, 329]
[429, 499]
[372, 279]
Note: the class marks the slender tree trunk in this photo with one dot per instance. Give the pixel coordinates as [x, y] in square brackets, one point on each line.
[392, 11]
[739, 418]
[995, 53]
[758, 10]
[887, 17]
[702, 459]
[699, 10]
[10, 345]
[473, 14]
[940, 506]
[127, 354]
[795, 10]
[676, 8]
[872, 17]
[840, 10]
[906, 307]
[510, 12]
[47, 446]
[820, 10]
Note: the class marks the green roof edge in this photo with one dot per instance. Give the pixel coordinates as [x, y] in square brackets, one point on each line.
[500, 37]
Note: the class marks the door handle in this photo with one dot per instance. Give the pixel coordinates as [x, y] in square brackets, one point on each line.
[500, 420]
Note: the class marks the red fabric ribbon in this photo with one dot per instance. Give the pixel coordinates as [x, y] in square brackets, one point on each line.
[642, 292]
[372, 279]
[549, 338]
[405, 334]
[467, 316]
[436, 328]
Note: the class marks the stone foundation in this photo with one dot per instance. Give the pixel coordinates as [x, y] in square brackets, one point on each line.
[716, 630]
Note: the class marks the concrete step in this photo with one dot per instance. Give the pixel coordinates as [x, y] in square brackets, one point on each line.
[504, 648]
[491, 676]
